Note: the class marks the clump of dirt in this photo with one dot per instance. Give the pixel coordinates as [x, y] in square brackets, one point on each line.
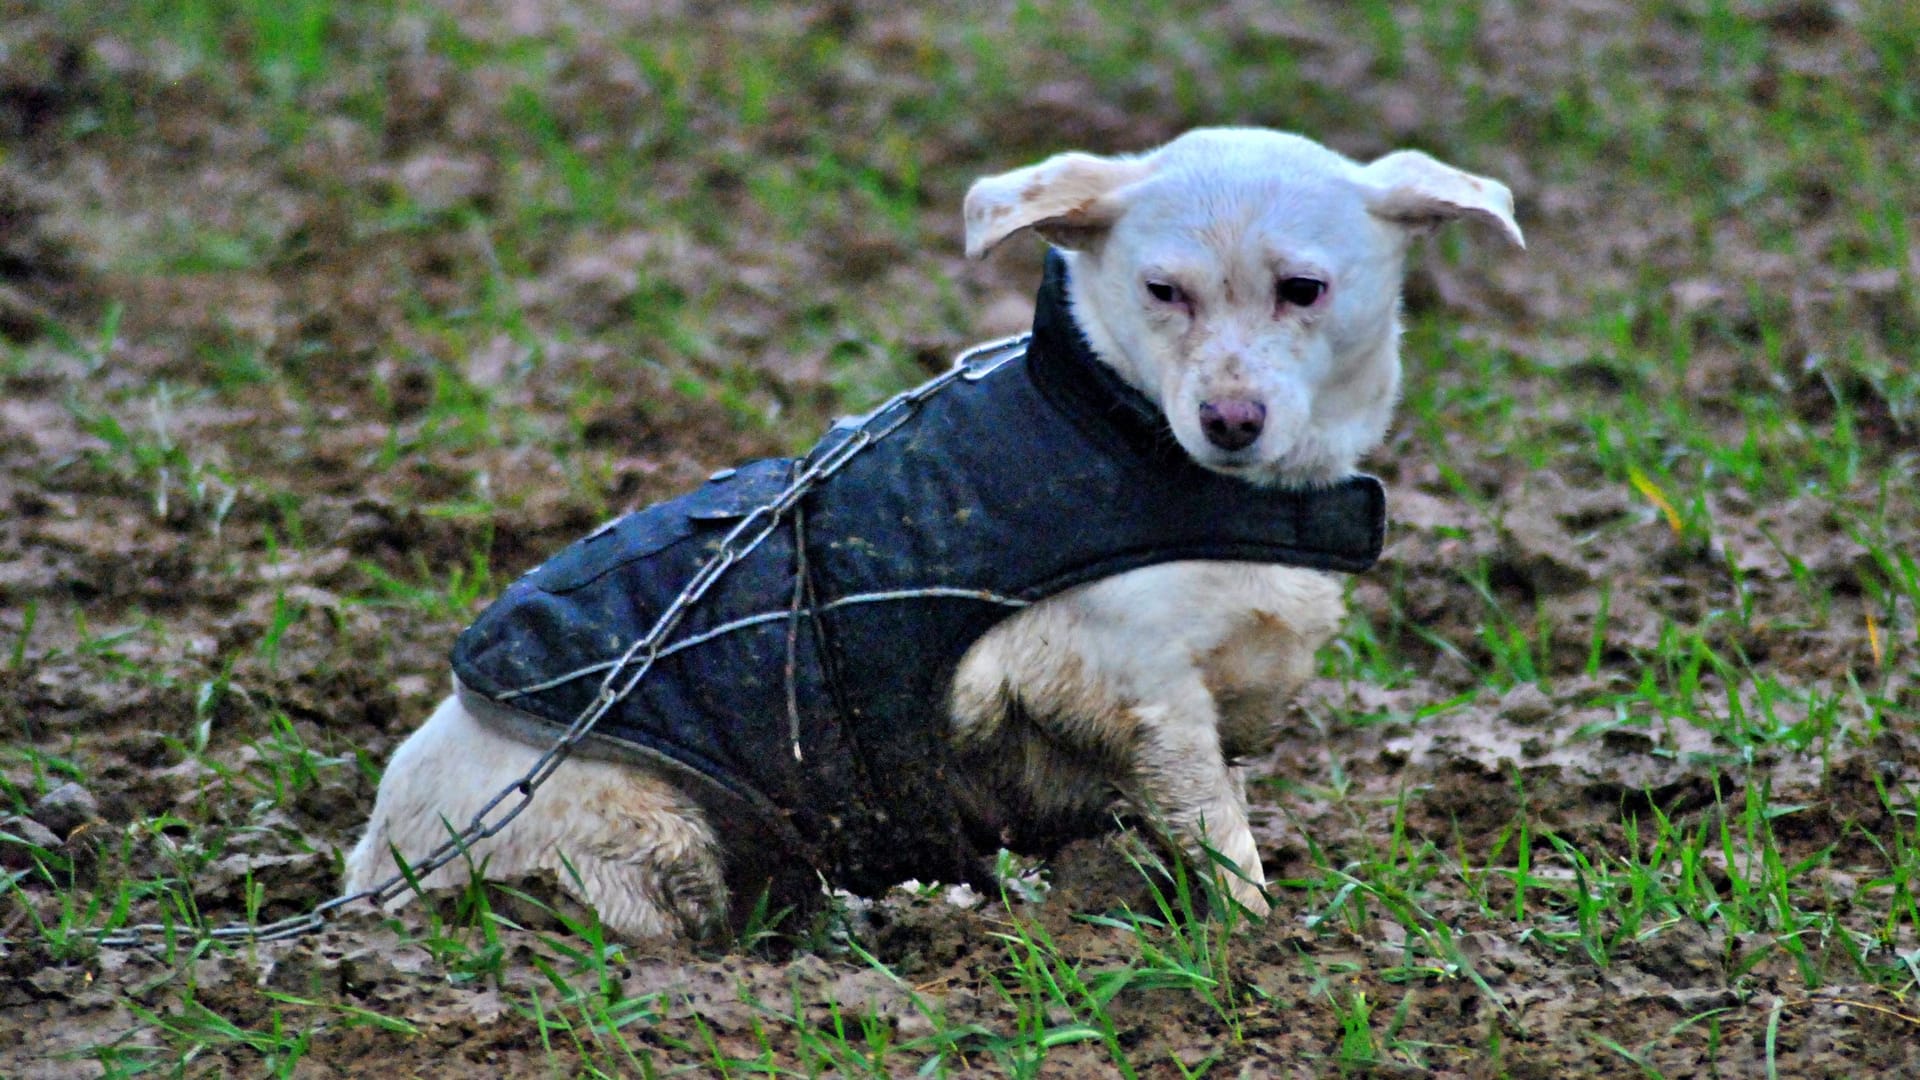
[41, 277]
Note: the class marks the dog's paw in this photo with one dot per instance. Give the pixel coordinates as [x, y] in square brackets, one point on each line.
[1251, 898]
[694, 893]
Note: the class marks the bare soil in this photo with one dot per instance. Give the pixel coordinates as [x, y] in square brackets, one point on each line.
[348, 388]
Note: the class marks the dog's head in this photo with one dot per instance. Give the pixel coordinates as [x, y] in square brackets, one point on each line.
[1247, 281]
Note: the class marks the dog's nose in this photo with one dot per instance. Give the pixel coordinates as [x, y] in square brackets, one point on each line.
[1232, 424]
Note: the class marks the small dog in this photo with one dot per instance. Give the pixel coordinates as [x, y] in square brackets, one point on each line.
[1231, 300]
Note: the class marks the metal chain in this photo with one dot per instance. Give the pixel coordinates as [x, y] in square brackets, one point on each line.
[827, 459]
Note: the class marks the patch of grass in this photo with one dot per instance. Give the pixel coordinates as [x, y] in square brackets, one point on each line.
[150, 454]
[453, 596]
[1713, 331]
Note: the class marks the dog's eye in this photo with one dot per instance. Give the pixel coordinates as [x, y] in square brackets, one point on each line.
[1166, 292]
[1301, 291]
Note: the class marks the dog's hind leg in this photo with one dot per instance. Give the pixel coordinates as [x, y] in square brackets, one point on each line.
[617, 837]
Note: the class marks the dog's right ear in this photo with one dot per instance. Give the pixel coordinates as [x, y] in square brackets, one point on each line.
[1064, 198]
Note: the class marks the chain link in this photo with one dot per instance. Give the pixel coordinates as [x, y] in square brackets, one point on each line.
[826, 459]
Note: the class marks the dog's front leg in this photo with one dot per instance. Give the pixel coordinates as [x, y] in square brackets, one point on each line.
[1181, 777]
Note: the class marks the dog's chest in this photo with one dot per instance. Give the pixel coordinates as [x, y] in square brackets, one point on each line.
[1252, 674]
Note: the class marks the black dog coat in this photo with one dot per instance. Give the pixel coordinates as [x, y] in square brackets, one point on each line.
[1043, 474]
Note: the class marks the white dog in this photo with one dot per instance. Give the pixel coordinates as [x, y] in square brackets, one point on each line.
[1245, 283]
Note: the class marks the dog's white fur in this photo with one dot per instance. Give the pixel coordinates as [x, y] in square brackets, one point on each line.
[1145, 686]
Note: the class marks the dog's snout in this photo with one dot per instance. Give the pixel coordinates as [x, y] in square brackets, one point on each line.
[1232, 424]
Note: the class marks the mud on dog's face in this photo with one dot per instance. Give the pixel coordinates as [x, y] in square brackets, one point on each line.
[1247, 281]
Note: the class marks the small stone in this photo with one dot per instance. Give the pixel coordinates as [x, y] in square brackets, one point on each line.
[66, 808]
[18, 837]
[1526, 704]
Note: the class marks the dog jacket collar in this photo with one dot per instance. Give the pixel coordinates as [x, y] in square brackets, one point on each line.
[1044, 473]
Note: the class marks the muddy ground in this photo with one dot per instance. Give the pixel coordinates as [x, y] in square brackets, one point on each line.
[321, 322]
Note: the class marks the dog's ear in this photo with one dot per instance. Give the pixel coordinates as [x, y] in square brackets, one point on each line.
[1064, 198]
[1413, 189]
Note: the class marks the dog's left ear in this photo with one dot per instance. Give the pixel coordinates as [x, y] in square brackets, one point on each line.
[1064, 198]
[1413, 189]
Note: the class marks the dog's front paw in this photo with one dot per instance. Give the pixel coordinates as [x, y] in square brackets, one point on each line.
[1246, 878]
[1250, 897]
